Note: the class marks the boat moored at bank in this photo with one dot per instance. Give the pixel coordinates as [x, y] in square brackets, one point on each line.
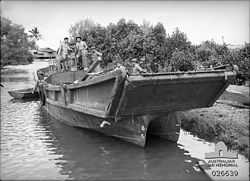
[130, 106]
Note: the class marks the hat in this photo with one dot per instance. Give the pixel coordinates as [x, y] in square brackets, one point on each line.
[66, 38]
[78, 37]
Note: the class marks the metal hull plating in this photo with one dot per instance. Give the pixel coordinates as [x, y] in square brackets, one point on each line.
[130, 129]
[119, 129]
[130, 107]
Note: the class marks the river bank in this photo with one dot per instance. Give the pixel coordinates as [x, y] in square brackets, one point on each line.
[227, 120]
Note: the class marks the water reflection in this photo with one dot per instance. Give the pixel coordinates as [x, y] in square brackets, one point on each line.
[26, 100]
[90, 155]
[14, 79]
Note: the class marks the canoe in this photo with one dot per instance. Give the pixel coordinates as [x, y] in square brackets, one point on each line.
[130, 106]
[24, 93]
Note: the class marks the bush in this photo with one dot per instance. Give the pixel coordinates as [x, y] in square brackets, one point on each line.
[154, 49]
[15, 44]
[126, 40]
[182, 61]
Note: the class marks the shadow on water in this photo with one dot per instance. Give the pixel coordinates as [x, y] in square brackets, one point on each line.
[90, 155]
[26, 100]
[14, 79]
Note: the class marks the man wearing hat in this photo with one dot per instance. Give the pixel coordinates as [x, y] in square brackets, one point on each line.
[63, 53]
[81, 51]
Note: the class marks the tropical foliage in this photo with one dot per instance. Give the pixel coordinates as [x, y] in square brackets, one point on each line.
[15, 44]
[154, 49]
[35, 33]
[125, 40]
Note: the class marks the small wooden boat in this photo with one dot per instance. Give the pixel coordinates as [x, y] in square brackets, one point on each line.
[24, 93]
[130, 106]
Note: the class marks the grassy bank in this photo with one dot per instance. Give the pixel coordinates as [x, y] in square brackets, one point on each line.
[227, 120]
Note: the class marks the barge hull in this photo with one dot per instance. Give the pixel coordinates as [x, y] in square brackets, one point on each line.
[130, 129]
[109, 127]
[130, 107]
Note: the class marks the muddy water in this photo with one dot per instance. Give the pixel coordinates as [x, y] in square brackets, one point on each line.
[35, 146]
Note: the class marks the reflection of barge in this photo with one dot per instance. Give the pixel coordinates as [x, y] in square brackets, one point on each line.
[130, 106]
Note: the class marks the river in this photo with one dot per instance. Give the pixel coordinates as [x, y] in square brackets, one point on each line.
[36, 146]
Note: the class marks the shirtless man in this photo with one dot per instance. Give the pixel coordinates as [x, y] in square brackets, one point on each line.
[80, 52]
[63, 53]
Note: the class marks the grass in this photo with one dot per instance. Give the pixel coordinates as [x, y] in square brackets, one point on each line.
[222, 122]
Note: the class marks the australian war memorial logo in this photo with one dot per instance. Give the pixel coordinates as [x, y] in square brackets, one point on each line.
[221, 151]
[222, 163]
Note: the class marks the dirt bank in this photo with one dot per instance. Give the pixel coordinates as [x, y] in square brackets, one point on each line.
[227, 120]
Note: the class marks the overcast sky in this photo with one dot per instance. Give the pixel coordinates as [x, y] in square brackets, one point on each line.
[199, 20]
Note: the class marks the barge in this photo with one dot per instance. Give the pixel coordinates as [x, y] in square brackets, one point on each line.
[130, 106]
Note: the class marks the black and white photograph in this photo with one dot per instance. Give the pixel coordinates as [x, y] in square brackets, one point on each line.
[125, 90]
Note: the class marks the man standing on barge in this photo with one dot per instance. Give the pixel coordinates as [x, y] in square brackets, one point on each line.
[63, 53]
[81, 53]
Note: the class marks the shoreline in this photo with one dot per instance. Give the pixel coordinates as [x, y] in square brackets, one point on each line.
[227, 120]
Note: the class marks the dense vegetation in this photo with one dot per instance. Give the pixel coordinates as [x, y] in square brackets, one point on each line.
[120, 42]
[156, 50]
[15, 44]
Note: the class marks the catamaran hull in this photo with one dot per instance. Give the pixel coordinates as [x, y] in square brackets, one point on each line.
[130, 129]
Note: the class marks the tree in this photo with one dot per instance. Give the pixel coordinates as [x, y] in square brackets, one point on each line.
[35, 33]
[153, 48]
[146, 27]
[176, 41]
[182, 61]
[240, 57]
[82, 28]
[15, 44]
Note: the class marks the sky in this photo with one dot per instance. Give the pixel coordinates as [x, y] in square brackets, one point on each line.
[200, 20]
